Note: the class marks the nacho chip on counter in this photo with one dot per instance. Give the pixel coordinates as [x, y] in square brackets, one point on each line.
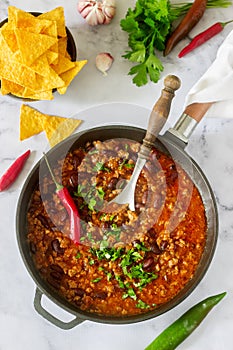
[34, 60]
[56, 128]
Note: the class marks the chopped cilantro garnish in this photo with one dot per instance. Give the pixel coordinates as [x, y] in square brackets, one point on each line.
[100, 192]
[92, 195]
[126, 164]
[94, 151]
[131, 263]
[129, 165]
[80, 191]
[97, 279]
[120, 282]
[78, 255]
[91, 203]
[100, 167]
[130, 293]
[142, 305]
[91, 262]
[90, 237]
[109, 276]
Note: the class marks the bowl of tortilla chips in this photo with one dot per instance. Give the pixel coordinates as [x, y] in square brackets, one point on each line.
[37, 54]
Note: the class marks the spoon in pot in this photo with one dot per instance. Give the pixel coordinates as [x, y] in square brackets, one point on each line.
[158, 118]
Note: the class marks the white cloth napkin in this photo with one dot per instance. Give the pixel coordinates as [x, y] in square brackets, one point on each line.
[216, 85]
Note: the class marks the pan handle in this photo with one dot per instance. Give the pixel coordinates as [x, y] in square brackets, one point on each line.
[54, 320]
[188, 121]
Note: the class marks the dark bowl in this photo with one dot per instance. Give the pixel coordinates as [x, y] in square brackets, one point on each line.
[71, 49]
[80, 139]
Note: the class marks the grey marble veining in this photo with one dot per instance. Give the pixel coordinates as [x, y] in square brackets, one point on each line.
[211, 146]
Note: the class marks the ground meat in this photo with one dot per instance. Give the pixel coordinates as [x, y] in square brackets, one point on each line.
[127, 262]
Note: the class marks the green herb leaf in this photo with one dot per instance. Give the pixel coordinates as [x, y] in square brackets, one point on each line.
[109, 276]
[120, 282]
[100, 167]
[91, 262]
[96, 280]
[100, 192]
[129, 165]
[140, 73]
[142, 305]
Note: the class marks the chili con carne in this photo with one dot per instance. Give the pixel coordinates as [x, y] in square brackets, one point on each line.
[192, 17]
[178, 331]
[202, 37]
[13, 171]
[69, 204]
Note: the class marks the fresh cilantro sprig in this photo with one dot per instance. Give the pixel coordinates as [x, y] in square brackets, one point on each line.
[147, 25]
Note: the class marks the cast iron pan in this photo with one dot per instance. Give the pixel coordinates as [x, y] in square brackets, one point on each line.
[173, 142]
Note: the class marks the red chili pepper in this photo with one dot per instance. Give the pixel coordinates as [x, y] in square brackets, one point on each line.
[69, 205]
[192, 17]
[12, 173]
[202, 37]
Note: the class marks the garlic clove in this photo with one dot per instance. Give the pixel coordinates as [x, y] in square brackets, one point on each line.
[104, 62]
[86, 11]
[84, 5]
[95, 16]
[109, 11]
[100, 16]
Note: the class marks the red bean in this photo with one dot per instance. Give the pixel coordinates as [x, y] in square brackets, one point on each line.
[147, 263]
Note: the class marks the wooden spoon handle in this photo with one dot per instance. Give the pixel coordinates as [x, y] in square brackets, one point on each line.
[159, 114]
[197, 110]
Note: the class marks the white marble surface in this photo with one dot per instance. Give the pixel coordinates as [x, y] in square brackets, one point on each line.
[210, 145]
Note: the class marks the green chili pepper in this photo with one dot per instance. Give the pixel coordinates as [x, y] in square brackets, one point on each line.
[178, 331]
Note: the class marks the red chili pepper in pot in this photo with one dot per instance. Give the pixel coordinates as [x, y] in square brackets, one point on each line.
[13, 172]
[192, 17]
[202, 37]
[68, 202]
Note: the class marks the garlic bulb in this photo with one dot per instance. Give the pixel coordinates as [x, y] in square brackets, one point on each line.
[97, 12]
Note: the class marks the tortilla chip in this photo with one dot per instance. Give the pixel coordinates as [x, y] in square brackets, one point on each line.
[10, 38]
[63, 65]
[8, 86]
[13, 70]
[51, 30]
[62, 46]
[69, 75]
[52, 57]
[60, 130]
[30, 122]
[13, 13]
[32, 45]
[53, 82]
[28, 22]
[56, 128]
[35, 95]
[57, 15]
